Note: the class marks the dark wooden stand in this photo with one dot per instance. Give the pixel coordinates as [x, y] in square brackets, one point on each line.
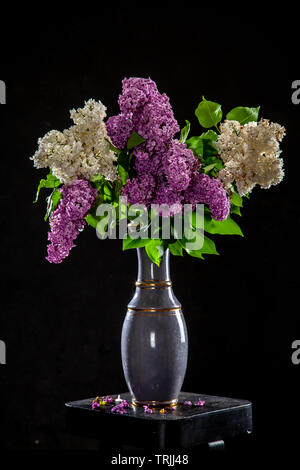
[218, 420]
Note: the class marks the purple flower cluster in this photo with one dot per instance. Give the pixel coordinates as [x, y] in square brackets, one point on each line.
[119, 129]
[68, 218]
[210, 191]
[167, 172]
[108, 399]
[120, 408]
[150, 112]
[198, 403]
[147, 409]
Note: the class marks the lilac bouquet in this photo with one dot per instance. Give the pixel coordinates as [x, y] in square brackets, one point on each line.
[141, 158]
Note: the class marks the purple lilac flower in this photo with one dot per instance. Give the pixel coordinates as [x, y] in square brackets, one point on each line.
[121, 407]
[156, 123]
[119, 129]
[118, 409]
[162, 178]
[179, 165]
[150, 112]
[200, 402]
[167, 172]
[95, 405]
[125, 404]
[147, 409]
[187, 403]
[145, 163]
[139, 190]
[136, 92]
[210, 191]
[68, 218]
[166, 195]
[108, 399]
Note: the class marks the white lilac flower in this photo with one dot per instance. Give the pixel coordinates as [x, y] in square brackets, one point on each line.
[80, 151]
[250, 154]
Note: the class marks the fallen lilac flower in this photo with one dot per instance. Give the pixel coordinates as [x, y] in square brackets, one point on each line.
[188, 403]
[95, 405]
[125, 404]
[200, 402]
[118, 409]
[147, 409]
[108, 399]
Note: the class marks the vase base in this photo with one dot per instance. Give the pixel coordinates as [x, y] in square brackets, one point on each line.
[155, 403]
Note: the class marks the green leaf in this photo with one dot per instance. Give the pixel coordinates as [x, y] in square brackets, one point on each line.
[129, 243]
[123, 174]
[98, 179]
[195, 253]
[185, 132]
[208, 113]
[155, 250]
[124, 160]
[175, 249]
[108, 194]
[123, 165]
[112, 147]
[222, 227]
[52, 202]
[235, 210]
[196, 145]
[210, 135]
[50, 182]
[190, 236]
[237, 200]
[204, 145]
[243, 114]
[208, 248]
[134, 140]
[212, 163]
[92, 220]
[209, 167]
[209, 139]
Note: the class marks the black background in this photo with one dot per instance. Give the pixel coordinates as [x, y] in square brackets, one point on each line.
[62, 323]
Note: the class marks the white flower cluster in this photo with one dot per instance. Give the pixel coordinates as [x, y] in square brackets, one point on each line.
[250, 154]
[81, 150]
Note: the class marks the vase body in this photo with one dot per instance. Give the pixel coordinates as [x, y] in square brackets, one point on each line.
[154, 342]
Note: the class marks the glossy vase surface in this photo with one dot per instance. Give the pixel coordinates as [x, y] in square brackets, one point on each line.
[154, 342]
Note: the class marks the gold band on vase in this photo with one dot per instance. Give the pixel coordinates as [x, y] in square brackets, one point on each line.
[156, 311]
[155, 403]
[153, 284]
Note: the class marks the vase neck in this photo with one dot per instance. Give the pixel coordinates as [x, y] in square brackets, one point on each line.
[148, 271]
[153, 286]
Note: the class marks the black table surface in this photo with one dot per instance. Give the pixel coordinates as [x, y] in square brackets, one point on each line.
[219, 419]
